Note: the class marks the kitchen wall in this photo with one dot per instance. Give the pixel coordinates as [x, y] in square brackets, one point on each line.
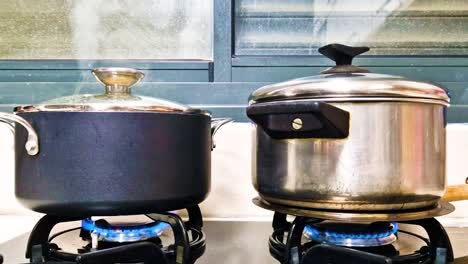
[232, 191]
[457, 172]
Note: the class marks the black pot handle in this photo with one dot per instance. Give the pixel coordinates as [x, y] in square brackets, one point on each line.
[283, 120]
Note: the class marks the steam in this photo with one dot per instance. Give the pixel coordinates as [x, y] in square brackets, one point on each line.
[145, 29]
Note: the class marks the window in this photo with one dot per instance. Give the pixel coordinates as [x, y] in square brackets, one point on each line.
[389, 27]
[205, 53]
[106, 29]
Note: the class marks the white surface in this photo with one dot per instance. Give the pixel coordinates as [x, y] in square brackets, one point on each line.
[231, 190]
[457, 167]
[12, 226]
[8, 202]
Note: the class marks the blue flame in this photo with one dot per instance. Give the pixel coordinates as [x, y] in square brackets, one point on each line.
[124, 233]
[315, 234]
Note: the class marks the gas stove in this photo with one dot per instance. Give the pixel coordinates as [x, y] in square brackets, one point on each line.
[160, 238]
[358, 237]
[236, 241]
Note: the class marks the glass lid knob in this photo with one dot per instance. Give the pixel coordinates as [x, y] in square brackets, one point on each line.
[118, 80]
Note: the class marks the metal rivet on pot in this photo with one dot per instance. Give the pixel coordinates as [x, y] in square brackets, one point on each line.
[31, 147]
[297, 123]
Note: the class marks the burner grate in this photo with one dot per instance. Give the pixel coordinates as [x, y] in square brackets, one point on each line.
[288, 245]
[188, 242]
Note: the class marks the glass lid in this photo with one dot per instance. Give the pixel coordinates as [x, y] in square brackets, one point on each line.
[345, 82]
[117, 97]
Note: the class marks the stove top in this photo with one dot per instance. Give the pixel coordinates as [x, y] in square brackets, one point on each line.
[161, 238]
[307, 240]
[229, 241]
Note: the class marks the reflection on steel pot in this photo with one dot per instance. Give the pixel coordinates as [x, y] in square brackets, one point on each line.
[349, 139]
[112, 153]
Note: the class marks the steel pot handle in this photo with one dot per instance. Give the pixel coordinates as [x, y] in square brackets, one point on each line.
[283, 120]
[216, 123]
[32, 143]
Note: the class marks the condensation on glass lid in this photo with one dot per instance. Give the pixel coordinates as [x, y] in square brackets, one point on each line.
[106, 103]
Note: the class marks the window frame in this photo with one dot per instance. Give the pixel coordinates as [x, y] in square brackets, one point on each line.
[222, 72]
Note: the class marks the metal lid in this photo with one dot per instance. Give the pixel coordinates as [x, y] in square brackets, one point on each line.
[345, 82]
[116, 98]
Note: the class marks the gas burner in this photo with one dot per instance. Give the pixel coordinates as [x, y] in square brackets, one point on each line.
[310, 240]
[352, 235]
[163, 239]
[105, 231]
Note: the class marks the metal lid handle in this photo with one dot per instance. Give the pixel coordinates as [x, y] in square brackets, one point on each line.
[118, 80]
[342, 54]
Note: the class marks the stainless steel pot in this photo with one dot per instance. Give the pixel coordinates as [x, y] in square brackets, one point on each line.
[349, 139]
[113, 153]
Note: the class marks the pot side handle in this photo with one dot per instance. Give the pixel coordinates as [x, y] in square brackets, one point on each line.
[456, 193]
[300, 119]
[216, 123]
[32, 143]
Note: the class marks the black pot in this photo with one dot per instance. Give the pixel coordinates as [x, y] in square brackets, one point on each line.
[114, 157]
